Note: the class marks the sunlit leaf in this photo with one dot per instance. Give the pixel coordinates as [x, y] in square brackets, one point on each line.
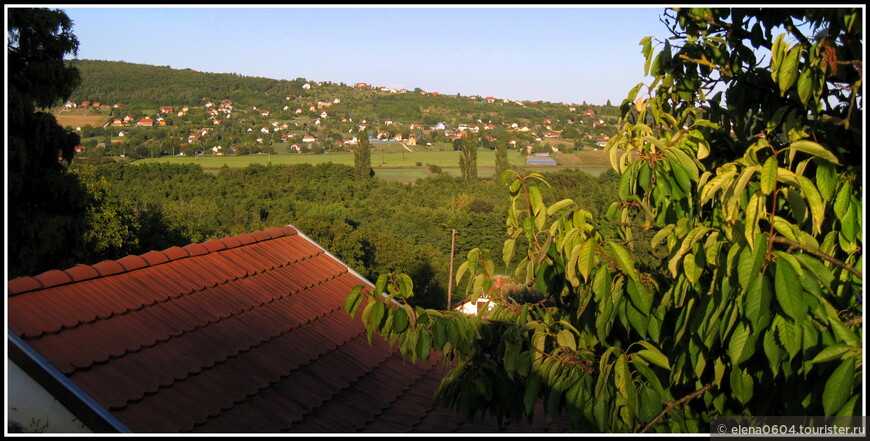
[814, 149]
[838, 388]
[741, 385]
[789, 293]
[768, 175]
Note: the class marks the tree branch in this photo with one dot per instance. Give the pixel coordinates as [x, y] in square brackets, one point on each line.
[818, 253]
[679, 402]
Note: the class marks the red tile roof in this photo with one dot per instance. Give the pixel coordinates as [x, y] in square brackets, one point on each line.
[242, 334]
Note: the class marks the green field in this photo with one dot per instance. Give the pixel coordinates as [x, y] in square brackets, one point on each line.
[390, 165]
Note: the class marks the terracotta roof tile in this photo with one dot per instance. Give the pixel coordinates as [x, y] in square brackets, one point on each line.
[23, 284]
[53, 278]
[108, 267]
[230, 242]
[174, 253]
[214, 245]
[155, 257]
[246, 238]
[82, 272]
[131, 263]
[196, 249]
[241, 334]
[261, 235]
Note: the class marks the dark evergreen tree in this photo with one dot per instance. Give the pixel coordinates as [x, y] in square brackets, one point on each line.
[468, 158]
[501, 158]
[46, 203]
[362, 157]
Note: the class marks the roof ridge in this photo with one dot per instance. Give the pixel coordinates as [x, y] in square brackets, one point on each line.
[304, 258]
[81, 272]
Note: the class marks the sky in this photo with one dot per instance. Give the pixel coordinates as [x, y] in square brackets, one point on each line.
[568, 54]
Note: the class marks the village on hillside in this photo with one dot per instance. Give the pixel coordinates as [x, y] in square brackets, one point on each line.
[328, 124]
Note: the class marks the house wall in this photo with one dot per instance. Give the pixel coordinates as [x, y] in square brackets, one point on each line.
[31, 406]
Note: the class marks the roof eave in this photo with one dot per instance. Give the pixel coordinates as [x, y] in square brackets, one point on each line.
[83, 406]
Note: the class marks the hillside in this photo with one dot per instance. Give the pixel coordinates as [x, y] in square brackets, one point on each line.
[150, 111]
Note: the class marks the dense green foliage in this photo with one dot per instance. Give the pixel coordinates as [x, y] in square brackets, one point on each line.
[750, 301]
[374, 226]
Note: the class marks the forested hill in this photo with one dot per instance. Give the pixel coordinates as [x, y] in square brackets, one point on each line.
[146, 88]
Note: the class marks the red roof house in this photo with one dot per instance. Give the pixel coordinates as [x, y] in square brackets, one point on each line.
[241, 334]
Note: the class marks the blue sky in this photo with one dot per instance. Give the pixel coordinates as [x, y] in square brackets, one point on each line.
[557, 53]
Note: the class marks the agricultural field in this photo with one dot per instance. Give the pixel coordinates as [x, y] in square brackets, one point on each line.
[393, 165]
[80, 118]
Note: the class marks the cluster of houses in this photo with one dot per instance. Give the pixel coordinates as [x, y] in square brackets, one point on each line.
[217, 112]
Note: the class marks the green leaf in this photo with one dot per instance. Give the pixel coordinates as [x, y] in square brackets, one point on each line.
[776, 55]
[566, 339]
[400, 321]
[381, 285]
[424, 344]
[640, 297]
[789, 292]
[586, 258]
[788, 71]
[740, 347]
[826, 179]
[692, 270]
[718, 372]
[377, 314]
[838, 388]
[508, 251]
[843, 200]
[741, 385]
[535, 199]
[623, 260]
[681, 175]
[772, 349]
[830, 353]
[789, 336]
[814, 149]
[653, 355]
[754, 210]
[530, 396]
[805, 86]
[768, 175]
[406, 286]
[650, 404]
[814, 200]
[843, 333]
[461, 271]
[353, 300]
[757, 300]
[661, 235]
[558, 206]
[621, 376]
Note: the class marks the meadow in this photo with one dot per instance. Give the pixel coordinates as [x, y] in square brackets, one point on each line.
[398, 166]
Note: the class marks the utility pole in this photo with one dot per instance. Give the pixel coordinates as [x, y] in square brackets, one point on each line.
[450, 282]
